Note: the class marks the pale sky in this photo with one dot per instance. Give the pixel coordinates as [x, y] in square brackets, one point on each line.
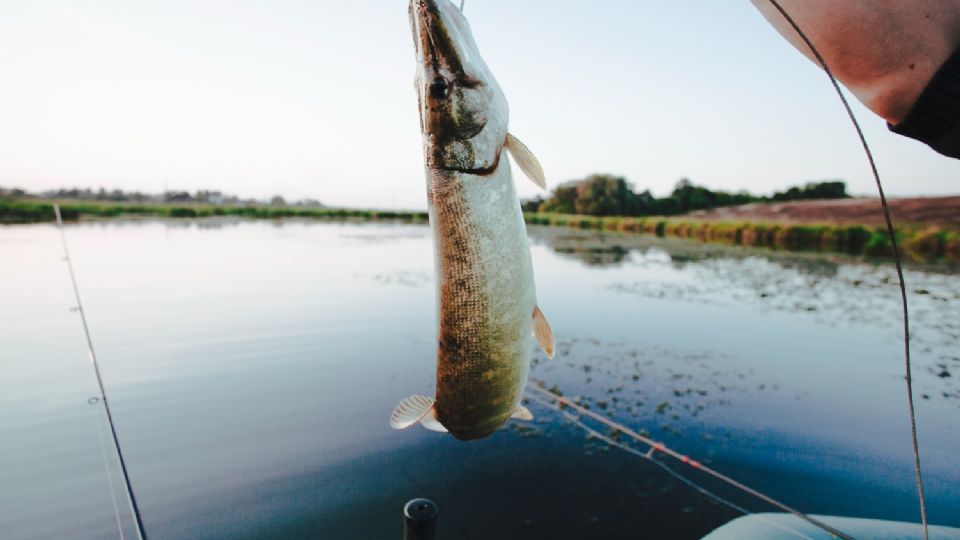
[309, 98]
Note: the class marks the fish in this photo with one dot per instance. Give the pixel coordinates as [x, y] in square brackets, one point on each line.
[487, 308]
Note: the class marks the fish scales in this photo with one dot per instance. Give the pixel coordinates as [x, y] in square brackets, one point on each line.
[486, 298]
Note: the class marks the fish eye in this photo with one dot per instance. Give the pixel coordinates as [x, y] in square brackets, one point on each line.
[439, 89]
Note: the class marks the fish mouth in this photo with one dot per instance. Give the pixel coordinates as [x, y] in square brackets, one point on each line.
[457, 93]
[441, 37]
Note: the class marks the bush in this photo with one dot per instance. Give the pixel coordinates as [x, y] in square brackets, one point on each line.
[951, 246]
[12, 211]
[771, 237]
[856, 238]
[182, 212]
[722, 232]
[929, 244]
[661, 228]
[799, 237]
[878, 245]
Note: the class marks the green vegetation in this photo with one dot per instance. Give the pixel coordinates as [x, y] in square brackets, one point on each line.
[919, 244]
[609, 198]
[606, 202]
[813, 190]
[607, 195]
[38, 210]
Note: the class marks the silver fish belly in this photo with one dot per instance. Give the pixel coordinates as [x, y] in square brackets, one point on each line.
[486, 300]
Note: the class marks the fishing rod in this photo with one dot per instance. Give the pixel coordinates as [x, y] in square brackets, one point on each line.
[131, 498]
[559, 402]
[891, 233]
[106, 468]
[649, 456]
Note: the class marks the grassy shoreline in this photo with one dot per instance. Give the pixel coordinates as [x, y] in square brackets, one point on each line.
[39, 211]
[919, 243]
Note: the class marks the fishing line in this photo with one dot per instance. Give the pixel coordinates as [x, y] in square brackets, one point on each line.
[131, 498]
[574, 419]
[679, 477]
[666, 468]
[686, 460]
[106, 468]
[896, 257]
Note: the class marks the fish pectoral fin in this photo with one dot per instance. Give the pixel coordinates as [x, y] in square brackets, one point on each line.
[543, 333]
[410, 411]
[416, 409]
[522, 413]
[526, 161]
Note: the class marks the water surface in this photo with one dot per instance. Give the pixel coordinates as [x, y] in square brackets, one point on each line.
[252, 367]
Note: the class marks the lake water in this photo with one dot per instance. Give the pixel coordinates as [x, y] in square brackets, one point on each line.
[252, 367]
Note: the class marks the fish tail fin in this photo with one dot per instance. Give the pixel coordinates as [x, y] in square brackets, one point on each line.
[416, 409]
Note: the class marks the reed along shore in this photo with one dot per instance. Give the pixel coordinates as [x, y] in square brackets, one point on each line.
[37, 211]
[923, 243]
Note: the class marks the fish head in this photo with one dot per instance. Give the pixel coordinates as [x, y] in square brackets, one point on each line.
[463, 112]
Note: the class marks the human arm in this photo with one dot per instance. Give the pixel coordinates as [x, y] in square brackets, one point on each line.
[884, 51]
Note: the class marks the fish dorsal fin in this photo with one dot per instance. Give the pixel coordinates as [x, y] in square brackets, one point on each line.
[410, 411]
[542, 331]
[526, 161]
[522, 413]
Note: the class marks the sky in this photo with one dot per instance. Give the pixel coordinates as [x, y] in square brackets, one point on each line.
[311, 98]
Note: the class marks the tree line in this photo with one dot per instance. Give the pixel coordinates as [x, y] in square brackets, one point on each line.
[608, 195]
[215, 198]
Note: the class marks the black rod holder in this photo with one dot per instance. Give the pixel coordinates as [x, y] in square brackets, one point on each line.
[420, 520]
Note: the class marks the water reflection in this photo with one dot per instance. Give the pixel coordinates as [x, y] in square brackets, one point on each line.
[597, 248]
[253, 365]
[827, 289]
